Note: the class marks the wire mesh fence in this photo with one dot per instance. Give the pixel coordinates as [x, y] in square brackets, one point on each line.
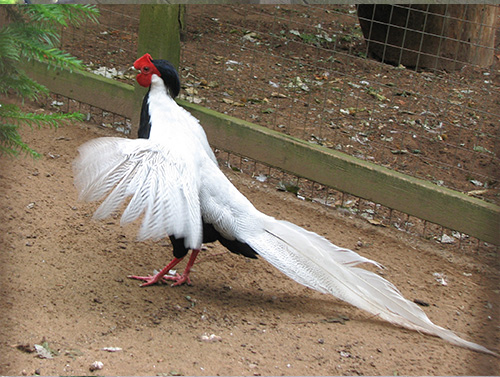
[303, 71]
[107, 49]
[308, 71]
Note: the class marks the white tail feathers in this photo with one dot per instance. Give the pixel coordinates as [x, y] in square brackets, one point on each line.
[318, 264]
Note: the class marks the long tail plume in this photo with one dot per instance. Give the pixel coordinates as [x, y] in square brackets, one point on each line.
[318, 264]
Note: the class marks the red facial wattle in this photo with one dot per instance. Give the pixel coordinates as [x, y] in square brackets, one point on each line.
[147, 68]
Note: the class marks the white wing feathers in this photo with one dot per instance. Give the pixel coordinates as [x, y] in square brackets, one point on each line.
[318, 264]
[162, 188]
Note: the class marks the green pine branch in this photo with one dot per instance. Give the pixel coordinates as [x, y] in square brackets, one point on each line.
[20, 85]
[55, 14]
[12, 117]
[12, 143]
[37, 42]
[33, 33]
[15, 116]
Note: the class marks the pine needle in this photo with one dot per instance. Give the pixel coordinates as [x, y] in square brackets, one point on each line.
[33, 34]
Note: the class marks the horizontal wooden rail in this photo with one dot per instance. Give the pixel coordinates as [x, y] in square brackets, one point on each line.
[85, 87]
[340, 171]
[401, 192]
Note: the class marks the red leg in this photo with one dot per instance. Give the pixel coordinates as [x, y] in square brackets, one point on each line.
[150, 280]
[184, 278]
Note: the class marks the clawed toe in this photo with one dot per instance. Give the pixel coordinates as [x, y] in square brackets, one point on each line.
[178, 279]
[149, 280]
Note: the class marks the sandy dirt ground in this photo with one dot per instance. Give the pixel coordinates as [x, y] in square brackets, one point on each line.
[64, 286]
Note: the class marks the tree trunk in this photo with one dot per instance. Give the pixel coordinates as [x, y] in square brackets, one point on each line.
[426, 36]
[159, 35]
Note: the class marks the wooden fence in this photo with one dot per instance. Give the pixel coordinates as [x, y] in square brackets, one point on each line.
[413, 196]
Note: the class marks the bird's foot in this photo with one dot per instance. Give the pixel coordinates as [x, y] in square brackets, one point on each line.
[179, 279]
[149, 280]
[153, 279]
[162, 275]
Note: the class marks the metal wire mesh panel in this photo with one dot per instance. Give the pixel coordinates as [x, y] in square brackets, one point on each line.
[303, 70]
[109, 47]
[311, 72]
[430, 36]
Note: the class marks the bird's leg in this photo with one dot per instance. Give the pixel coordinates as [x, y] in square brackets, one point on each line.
[150, 280]
[184, 278]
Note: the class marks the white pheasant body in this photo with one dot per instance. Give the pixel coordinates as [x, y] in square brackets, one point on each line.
[173, 178]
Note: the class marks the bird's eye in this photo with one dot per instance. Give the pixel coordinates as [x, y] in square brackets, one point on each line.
[145, 69]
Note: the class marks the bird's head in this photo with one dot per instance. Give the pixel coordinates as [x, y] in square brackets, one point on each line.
[162, 68]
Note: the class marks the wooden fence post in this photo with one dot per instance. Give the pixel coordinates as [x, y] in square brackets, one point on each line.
[159, 35]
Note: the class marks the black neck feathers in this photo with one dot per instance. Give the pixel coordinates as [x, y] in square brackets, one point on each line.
[145, 121]
[169, 76]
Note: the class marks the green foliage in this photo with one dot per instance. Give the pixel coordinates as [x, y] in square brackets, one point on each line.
[32, 33]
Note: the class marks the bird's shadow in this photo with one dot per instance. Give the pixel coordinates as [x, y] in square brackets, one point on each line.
[305, 306]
